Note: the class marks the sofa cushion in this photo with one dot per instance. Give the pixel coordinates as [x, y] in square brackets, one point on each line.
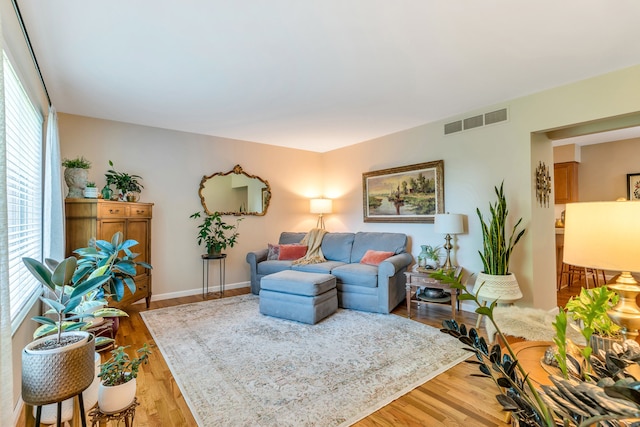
[274, 252]
[357, 274]
[389, 242]
[292, 252]
[321, 267]
[337, 246]
[372, 257]
[270, 267]
[288, 237]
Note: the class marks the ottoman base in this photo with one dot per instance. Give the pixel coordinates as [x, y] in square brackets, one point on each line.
[300, 308]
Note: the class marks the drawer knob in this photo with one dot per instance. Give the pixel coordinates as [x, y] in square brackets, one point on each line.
[114, 211]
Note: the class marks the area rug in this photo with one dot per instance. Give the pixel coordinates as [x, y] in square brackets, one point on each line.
[237, 367]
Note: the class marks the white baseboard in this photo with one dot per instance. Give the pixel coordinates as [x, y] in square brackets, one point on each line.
[195, 291]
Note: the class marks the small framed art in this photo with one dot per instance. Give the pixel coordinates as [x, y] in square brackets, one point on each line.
[633, 186]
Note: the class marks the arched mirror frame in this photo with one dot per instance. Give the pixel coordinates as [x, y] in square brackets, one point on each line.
[237, 169]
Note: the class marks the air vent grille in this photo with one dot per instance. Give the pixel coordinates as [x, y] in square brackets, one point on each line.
[453, 127]
[495, 116]
[480, 120]
[473, 122]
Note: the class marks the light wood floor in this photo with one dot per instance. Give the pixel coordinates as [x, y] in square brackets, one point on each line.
[453, 398]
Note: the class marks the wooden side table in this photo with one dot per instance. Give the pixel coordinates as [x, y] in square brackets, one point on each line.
[99, 418]
[417, 280]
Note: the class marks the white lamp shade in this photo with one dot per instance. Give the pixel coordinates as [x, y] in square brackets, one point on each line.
[321, 206]
[603, 235]
[448, 224]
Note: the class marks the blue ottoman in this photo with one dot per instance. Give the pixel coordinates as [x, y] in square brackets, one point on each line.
[297, 295]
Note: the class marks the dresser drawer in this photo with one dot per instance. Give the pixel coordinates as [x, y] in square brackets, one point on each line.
[113, 210]
[140, 211]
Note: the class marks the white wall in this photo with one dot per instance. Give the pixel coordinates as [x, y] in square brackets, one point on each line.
[172, 165]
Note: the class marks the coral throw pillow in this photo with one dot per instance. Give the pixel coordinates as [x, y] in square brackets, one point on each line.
[292, 252]
[274, 252]
[372, 257]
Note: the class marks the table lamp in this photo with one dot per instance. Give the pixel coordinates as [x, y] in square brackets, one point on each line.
[321, 206]
[606, 236]
[448, 224]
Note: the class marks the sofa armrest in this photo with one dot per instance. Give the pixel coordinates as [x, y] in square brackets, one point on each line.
[253, 258]
[390, 266]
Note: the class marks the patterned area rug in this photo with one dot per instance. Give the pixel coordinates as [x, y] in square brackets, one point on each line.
[237, 367]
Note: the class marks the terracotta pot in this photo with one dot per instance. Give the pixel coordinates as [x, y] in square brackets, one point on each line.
[113, 399]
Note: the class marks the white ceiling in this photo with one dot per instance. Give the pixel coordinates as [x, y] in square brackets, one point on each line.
[317, 74]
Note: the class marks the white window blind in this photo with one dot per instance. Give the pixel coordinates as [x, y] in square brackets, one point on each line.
[24, 190]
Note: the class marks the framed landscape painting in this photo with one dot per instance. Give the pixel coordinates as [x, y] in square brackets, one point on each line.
[412, 193]
[633, 186]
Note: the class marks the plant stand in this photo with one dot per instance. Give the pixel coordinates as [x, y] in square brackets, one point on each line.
[99, 418]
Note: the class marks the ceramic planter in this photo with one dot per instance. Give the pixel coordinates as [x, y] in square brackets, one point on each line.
[76, 180]
[91, 193]
[54, 375]
[113, 399]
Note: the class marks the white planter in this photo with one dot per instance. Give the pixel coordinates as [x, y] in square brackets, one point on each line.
[116, 398]
[503, 288]
[91, 192]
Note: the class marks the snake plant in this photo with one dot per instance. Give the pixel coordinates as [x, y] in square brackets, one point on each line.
[496, 248]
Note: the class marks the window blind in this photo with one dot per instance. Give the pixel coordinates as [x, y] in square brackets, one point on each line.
[24, 190]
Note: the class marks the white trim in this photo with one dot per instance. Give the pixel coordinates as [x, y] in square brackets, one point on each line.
[195, 291]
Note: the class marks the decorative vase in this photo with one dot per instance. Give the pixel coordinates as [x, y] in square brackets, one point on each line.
[132, 196]
[112, 399]
[422, 257]
[90, 193]
[106, 192]
[76, 179]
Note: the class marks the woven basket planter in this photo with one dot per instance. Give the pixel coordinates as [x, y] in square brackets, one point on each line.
[49, 377]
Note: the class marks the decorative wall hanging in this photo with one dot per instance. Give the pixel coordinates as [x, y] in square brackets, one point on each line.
[633, 186]
[543, 185]
[412, 193]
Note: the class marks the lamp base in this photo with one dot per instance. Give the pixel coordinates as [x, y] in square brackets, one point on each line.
[447, 247]
[626, 313]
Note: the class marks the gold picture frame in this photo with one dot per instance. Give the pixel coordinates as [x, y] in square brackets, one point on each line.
[413, 193]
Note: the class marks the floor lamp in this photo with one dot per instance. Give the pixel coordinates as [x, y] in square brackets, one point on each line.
[606, 236]
[448, 224]
[321, 206]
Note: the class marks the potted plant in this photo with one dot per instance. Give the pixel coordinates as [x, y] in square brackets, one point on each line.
[497, 249]
[589, 308]
[429, 257]
[215, 233]
[118, 379]
[128, 185]
[91, 191]
[59, 366]
[112, 260]
[76, 175]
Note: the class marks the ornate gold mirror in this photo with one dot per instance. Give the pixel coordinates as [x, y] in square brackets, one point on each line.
[234, 193]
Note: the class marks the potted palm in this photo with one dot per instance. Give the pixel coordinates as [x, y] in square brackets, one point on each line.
[497, 249]
[215, 233]
[128, 185]
[118, 375]
[76, 174]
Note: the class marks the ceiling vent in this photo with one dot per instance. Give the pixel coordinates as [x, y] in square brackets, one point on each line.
[476, 121]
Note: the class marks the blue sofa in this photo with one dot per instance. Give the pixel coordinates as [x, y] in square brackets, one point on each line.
[377, 289]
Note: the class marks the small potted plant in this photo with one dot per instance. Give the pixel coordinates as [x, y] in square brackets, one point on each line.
[128, 185]
[118, 379]
[76, 174]
[91, 191]
[429, 257]
[215, 233]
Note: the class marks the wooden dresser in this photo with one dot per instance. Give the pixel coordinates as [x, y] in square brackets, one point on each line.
[101, 219]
